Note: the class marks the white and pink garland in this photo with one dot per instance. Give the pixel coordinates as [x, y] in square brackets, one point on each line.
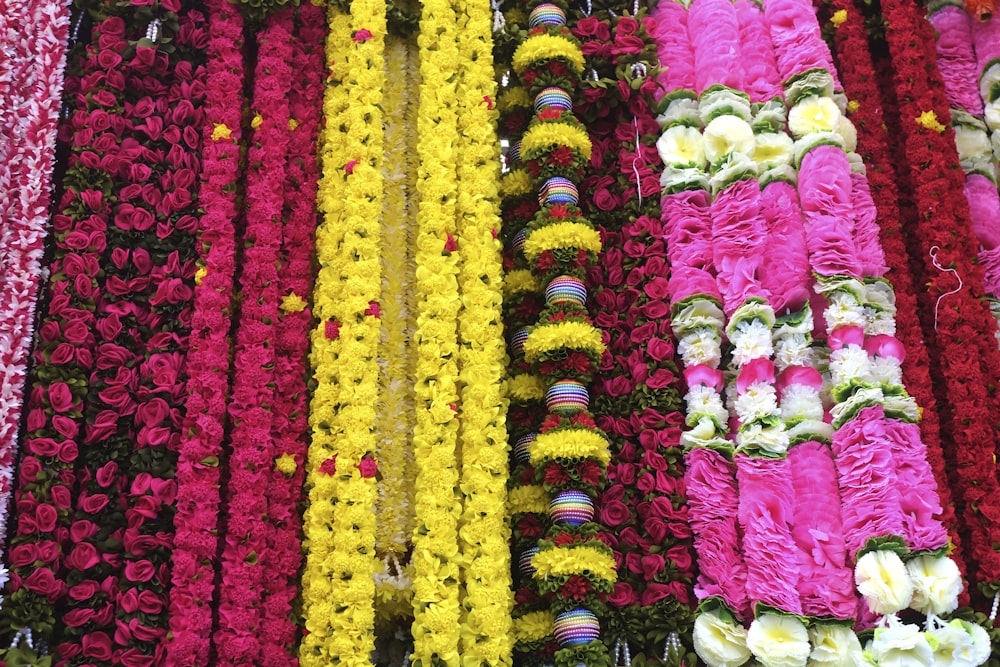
[32, 67]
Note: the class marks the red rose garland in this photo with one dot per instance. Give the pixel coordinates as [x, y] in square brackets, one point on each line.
[64, 356]
[207, 365]
[150, 488]
[290, 427]
[251, 410]
[122, 326]
[963, 355]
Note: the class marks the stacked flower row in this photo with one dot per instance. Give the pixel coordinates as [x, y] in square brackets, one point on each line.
[572, 566]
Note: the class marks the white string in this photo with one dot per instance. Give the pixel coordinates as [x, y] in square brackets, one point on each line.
[637, 160]
[993, 611]
[933, 253]
[628, 654]
[499, 22]
[618, 650]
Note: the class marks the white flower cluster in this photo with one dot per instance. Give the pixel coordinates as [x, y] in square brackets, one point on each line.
[850, 362]
[955, 644]
[751, 340]
[758, 401]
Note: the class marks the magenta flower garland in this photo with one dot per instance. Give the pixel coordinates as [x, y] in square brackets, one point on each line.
[207, 366]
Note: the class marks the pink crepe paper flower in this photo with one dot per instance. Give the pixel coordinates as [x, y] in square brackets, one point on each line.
[843, 336]
[885, 346]
[756, 370]
[702, 374]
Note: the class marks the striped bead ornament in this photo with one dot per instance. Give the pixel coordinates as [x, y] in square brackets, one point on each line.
[567, 397]
[559, 190]
[546, 14]
[571, 507]
[524, 563]
[517, 341]
[566, 288]
[520, 451]
[576, 627]
[517, 243]
[514, 154]
[553, 97]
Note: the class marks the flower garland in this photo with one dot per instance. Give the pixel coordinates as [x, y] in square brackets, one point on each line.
[207, 365]
[964, 358]
[395, 500]
[436, 628]
[25, 221]
[64, 359]
[150, 488]
[569, 452]
[238, 638]
[123, 319]
[339, 524]
[854, 63]
[278, 630]
[483, 536]
[522, 304]
[959, 72]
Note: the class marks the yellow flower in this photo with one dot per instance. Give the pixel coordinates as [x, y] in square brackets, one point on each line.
[838, 18]
[562, 235]
[200, 274]
[543, 136]
[570, 444]
[516, 183]
[567, 561]
[533, 626]
[575, 335]
[257, 120]
[515, 96]
[547, 47]
[221, 131]
[519, 280]
[853, 105]
[930, 120]
[292, 124]
[526, 387]
[527, 498]
[285, 464]
[293, 303]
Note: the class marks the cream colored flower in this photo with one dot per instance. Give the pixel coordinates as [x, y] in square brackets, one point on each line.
[682, 146]
[813, 114]
[720, 643]
[901, 645]
[772, 149]
[728, 134]
[849, 133]
[972, 143]
[779, 641]
[882, 579]
[937, 584]
[834, 646]
[960, 644]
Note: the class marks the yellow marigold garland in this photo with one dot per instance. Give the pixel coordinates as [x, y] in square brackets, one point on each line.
[338, 582]
[436, 628]
[483, 533]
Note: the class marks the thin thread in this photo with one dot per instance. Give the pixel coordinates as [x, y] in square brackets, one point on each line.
[933, 253]
[636, 160]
